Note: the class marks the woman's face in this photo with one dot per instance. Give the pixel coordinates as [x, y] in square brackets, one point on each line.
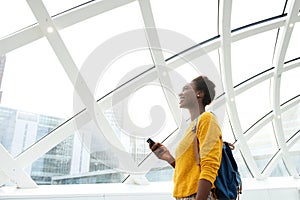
[187, 97]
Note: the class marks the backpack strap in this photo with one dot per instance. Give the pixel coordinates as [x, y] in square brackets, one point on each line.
[196, 142]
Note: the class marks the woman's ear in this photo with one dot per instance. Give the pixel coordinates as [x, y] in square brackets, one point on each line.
[200, 94]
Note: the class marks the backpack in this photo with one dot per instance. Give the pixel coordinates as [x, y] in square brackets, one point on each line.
[228, 183]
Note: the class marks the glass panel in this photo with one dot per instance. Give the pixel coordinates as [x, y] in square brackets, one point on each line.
[263, 146]
[36, 96]
[227, 133]
[289, 87]
[119, 71]
[201, 16]
[15, 15]
[242, 167]
[54, 8]
[253, 104]
[91, 158]
[246, 12]
[291, 121]
[279, 170]
[34, 81]
[252, 55]
[19, 129]
[8, 118]
[295, 154]
[56, 162]
[104, 32]
[160, 174]
[293, 48]
[145, 113]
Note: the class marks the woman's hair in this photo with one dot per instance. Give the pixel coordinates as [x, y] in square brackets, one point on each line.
[207, 86]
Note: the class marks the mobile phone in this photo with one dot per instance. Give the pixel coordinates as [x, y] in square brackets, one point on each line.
[151, 142]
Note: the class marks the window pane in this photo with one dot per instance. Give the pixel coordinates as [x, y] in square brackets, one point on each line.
[242, 167]
[252, 55]
[118, 72]
[279, 170]
[19, 129]
[34, 81]
[83, 38]
[291, 121]
[263, 149]
[289, 87]
[15, 15]
[201, 16]
[54, 8]
[227, 134]
[293, 48]
[295, 153]
[160, 174]
[247, 12]
[253, 104]
[143, 114]
[56, 162]
[93, 159]
[7, 126]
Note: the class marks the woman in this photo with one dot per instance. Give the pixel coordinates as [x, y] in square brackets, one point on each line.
[194, 180]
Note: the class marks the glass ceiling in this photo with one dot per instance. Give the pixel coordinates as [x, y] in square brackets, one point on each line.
[84, 84]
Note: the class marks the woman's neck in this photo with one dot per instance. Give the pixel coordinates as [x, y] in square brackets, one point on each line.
[194, 113]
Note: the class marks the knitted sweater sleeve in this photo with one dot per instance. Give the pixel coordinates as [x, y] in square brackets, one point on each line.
[210, 146]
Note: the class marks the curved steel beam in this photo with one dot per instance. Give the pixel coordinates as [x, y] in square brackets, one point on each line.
[225, 49]
[280, 53]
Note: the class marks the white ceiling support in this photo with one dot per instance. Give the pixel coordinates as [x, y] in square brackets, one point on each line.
[19, 39]
[89, 10]
[225, 53]
[269, 168]
[258, 28]
[33, 33]
[280, 53]
[291, 65]
[158, 59]
[13, 171]
[80, 86]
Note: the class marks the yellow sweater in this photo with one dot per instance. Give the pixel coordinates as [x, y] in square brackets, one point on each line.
[187, 173]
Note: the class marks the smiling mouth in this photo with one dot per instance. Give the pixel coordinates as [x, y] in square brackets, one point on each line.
[181, 100]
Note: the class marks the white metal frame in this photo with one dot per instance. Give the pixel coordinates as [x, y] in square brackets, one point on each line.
[279, 64]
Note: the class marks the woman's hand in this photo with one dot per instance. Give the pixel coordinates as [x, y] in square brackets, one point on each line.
[163, 153]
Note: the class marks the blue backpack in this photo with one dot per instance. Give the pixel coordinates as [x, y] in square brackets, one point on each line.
[228, 183]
